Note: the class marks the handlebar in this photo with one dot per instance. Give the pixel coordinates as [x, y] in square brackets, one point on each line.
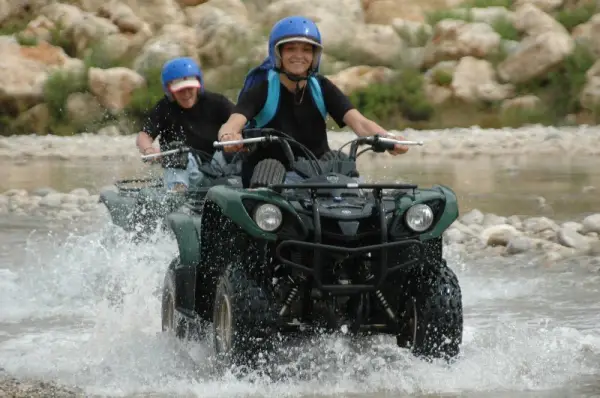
[165, 153]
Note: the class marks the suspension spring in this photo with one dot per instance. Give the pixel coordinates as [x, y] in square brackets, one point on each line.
[383, 301]
[288, 300]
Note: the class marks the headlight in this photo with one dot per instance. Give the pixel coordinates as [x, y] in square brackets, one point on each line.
[419, 217]
[268, 217]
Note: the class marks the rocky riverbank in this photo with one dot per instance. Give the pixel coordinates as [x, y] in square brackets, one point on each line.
[75, 66]
[458, 142]
[475, 234]
[11, 387]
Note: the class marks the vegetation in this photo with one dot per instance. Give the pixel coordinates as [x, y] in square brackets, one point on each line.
[399, 103]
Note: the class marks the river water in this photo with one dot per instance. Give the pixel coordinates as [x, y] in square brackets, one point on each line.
[81, 305]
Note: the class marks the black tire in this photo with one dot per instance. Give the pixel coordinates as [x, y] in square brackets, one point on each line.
[170, 320]
[244, 308]
[267, 172]
[432, 315]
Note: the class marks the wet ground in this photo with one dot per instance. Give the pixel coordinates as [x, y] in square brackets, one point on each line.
[80, 305]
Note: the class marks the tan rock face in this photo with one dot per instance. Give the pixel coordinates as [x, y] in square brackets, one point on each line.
[113, 87]
[589, 33]
[474, 81]
[169, 42]
[453, 39]
[357, 77]
[24, 72]
[547, 42]
[547, 49]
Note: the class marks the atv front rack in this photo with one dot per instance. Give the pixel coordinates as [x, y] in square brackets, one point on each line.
[318, 247]
[377, 188]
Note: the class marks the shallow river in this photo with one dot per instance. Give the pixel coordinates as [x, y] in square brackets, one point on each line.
[81, 306]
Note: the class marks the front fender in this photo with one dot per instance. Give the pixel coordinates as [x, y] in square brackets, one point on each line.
[437, 192]
[231, 202]
[186, 230]
[449, 215]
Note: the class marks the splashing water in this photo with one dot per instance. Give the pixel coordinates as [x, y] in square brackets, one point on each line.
[84, 309]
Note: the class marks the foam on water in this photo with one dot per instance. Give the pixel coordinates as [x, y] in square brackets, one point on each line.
[85, 310]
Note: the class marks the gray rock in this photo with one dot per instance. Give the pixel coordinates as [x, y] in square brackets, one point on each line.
[43, 191]
[80, 192]
[591, 224]
[52, 200]
[570, 238]
[475, 216]
[519, 244]
[539, 224]
[453, 235]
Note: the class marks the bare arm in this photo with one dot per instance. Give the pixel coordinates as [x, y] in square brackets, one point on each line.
[364, 127]
[233, 126]
[144, 143]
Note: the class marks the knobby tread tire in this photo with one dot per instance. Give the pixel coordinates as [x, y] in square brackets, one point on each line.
[267, 172]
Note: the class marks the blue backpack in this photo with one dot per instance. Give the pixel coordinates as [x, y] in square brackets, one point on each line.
[266, 71]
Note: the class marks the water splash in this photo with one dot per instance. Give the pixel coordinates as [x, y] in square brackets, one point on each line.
[84, 309]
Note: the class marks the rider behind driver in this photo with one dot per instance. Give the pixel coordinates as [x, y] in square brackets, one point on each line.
[294, 52]
[187, 114]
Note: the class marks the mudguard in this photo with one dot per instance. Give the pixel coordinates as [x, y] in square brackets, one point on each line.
[437, 192]
[230, 200]
[119, 207]
[186, 228]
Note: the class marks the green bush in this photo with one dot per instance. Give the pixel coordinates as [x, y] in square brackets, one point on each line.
[59, 86]
[560, 88]
[570, 18]
[401, 97]
[144, 99]
[487, 3]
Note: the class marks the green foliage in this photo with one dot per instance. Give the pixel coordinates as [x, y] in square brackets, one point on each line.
[442, 77]
[436, 16]
[487, 3]
[59, 86]
[506, 29]
[570, 18]
[144, 99]
[520, 116]
[401, 97]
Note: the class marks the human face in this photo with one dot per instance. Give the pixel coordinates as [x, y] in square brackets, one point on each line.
[185, 92]
[187, 97]
[296, 57]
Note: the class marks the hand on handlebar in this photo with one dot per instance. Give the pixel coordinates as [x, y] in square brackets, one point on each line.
[149, 151]
[231, 137]
[398, 149]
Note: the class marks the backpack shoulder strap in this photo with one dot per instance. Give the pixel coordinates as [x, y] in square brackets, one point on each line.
[317, 95]
[272, 102]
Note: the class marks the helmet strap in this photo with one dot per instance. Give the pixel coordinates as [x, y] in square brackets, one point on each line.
[299, 91]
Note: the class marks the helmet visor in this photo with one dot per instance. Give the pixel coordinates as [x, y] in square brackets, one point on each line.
[301, 39]
[186, 82]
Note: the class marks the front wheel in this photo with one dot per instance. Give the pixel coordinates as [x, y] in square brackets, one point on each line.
[170, 321]
[431, 315]
[243, 318]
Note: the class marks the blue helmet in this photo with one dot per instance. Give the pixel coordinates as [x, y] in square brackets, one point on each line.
[180, 68]
[295, 28]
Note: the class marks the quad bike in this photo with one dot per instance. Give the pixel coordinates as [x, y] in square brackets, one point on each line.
[329, 253]
[139, 205]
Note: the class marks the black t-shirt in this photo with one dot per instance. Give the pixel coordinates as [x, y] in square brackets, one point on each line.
[302, 121]
[197, 127]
